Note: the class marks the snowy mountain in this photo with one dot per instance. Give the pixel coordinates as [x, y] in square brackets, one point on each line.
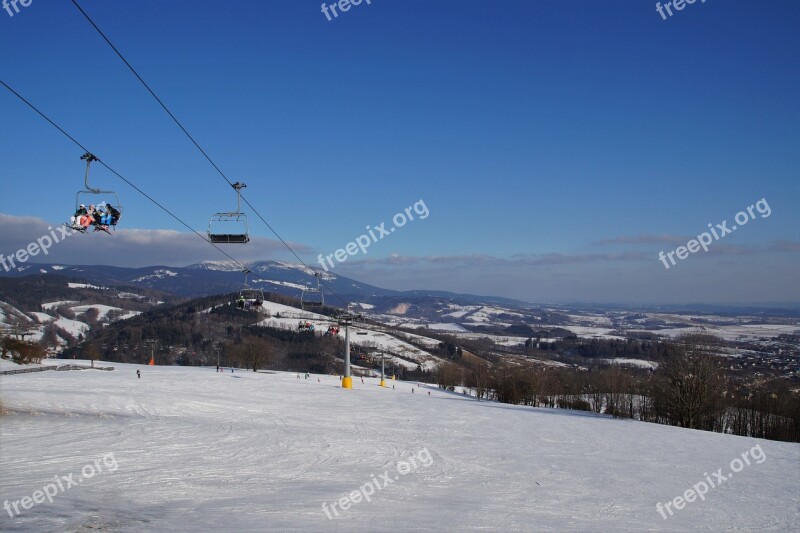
[208, 278]
[220, 277]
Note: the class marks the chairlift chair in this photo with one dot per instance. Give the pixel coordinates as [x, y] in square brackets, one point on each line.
[230, 227]
[348, 318]
[312, 297]
[94, 196]
[250, 294]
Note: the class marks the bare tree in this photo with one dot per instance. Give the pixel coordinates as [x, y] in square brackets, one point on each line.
[692, 384]
[448, 376]
[22, 352]
[90, 352]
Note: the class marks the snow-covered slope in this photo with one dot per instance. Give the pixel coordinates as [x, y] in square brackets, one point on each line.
[189, 449]
[365, 336]
[37, 324]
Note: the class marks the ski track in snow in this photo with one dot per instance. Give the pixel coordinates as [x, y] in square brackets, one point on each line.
[199, 450]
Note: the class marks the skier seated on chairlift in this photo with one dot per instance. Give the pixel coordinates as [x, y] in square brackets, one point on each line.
[240, 302]
[101, 219]
[80, 220]
[113, 214]
[108, 214]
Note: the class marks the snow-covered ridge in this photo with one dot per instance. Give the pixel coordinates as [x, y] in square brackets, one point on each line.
[281, 283]
[52, 305]
[83, 286]
[157, 274]
[221, 266]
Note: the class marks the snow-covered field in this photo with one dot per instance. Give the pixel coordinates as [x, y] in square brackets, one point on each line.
[189, 449]
[589, 332]
[446, 326]
[103, 310]
[639, 363]
[502, 340]
[489, 314]
[743, 332]
[53, 305]
[42, 318]
[425, 341]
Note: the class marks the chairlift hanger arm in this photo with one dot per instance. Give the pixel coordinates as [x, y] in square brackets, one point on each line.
[89, 157]
[238, 188]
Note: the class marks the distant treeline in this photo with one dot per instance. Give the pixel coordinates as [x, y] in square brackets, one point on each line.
[690, 389]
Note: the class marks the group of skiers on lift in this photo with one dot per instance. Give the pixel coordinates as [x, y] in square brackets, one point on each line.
[101, 217]
[243, 302]
[308, 326]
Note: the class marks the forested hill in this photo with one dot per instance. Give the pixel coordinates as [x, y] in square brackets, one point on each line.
[198, 331]
[29, 293]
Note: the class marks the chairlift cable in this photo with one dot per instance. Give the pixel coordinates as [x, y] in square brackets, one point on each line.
[120, 176]
[197, 145]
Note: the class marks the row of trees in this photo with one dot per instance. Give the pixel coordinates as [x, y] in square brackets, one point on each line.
[690, 389]
[21, 352]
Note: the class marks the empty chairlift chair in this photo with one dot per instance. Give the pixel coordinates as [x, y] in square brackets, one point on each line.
[230, 227]
[312, 297]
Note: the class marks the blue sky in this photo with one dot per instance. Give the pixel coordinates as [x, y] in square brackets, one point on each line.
[558, 145]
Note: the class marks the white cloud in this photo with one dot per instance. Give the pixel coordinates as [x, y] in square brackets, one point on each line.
[129, 247]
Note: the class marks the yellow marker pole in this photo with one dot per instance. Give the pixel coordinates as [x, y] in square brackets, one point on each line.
[347, 381]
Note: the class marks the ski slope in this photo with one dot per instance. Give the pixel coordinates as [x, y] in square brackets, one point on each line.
[197, 450]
